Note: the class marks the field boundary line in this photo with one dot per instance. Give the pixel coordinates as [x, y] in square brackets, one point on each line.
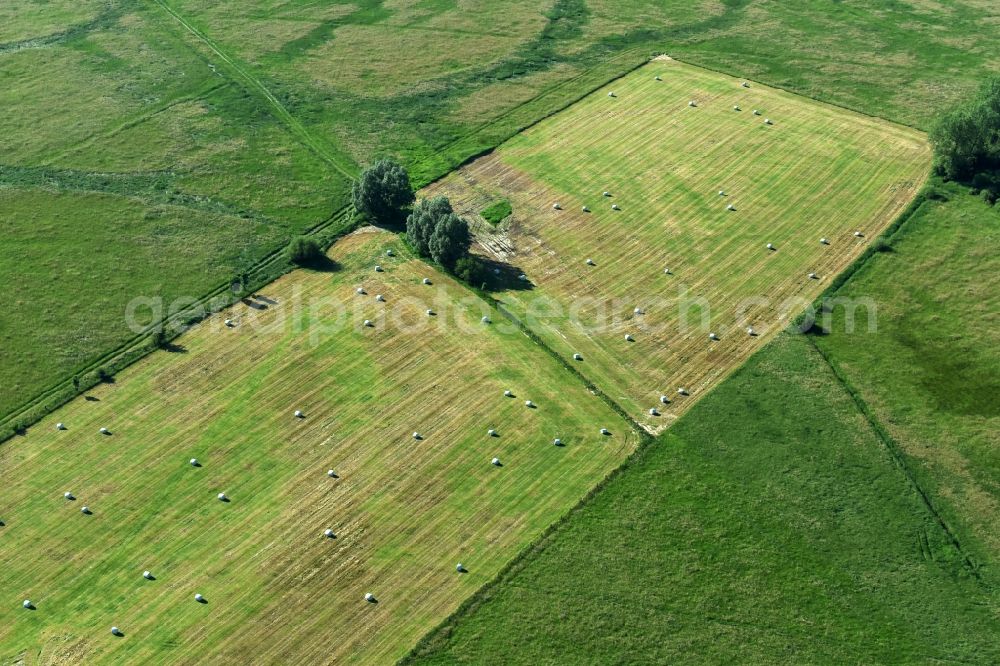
[553, 89]
[842, 107]
[267, 269]
[254, 84]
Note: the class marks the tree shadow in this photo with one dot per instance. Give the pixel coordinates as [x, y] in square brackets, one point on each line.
[321, 264]
[501, 276]
[814, 328]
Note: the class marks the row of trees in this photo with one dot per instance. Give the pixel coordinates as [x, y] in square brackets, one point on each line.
[967, 142]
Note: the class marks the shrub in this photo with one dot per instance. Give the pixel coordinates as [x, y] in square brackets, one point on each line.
[304, 251]
[496, 212]
[882, 245]
[383, 191]
[470, 270]
[159, 338]
[449, 241]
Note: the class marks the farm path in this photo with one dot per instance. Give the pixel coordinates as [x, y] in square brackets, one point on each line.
[257, 87]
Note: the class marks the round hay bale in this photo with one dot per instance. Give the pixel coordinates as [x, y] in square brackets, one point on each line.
[85, 510]
[666, 271]
[692, 103]
[229, 323]
[722, 193]
[653, 411]
[605, 194]
[529, 404]
[200, 599]
[147, 575]
[369, 597]
[378, 269]
[767, 121]
[858, 234]
[657, 78]
[359, 290]
[194, 462]
[736, 108]
[629, 338]
[824, 241]
[299, 414]
[460, 568]
[605, 432]
[27, 604]
[115, 631]
[615, 207]
[611, 94]
[770, 246]
[590, 262]
[331, 473]
[813, 276]
[682, 391]
[750, 331]
[430, 313]
[368, 323]
[223, 497]
[68, 495]
[638, 311]
[556, 206]
[664, 400]
[577, 357]
[586, 209]
[427, 280]
[491, 432]
[485, 319]
[756, 112]
[380, 298]
[713, 336]
[557, 442]
[328, 534]
[745, 84]
[495, 462]
[417, 436]
[730, 207]
[104, 431]
[508, 393]
[60, 426]
[390, 253]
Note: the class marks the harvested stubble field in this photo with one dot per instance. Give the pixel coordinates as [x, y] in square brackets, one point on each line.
[816, 172]
[404, 512]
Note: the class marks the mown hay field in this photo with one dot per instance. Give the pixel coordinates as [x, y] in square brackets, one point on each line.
[817, 172]
[404, 512]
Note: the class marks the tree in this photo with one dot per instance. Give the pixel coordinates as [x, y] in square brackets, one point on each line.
[421, 222]
[450, 240]
[304, 251]
[967, 140]
[383, 191]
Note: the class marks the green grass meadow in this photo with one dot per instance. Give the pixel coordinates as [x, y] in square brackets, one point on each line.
[930, 375]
